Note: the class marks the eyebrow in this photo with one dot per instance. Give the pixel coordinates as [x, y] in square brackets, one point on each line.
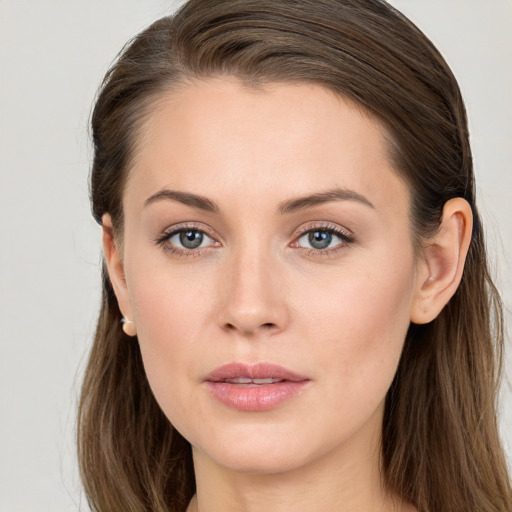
[200, 202]
[285, 208]
[337, 194]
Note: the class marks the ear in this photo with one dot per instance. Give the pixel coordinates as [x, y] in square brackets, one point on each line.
[441, 265]
[115, 267]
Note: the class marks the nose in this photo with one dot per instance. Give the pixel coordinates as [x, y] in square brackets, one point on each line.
[253, 296]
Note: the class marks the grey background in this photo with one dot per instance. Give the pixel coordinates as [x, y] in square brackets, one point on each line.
[53, 54]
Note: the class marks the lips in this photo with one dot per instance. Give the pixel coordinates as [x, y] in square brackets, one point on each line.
[253, 388]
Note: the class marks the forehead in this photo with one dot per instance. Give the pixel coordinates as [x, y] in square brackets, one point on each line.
[281, 139]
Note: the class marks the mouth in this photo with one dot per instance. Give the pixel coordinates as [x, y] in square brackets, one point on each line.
[253, 388]
[247, 381]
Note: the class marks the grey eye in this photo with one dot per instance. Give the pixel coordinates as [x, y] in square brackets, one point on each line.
[190, 239]
[320, 239]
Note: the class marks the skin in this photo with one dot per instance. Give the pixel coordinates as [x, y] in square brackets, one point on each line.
[257, 290]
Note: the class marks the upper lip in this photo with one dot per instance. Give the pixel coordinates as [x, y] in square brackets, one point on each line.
[253, 371]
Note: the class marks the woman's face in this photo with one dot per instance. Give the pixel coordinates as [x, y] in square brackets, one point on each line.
[267, 237]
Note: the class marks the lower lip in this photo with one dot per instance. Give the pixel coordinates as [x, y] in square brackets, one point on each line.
[257, 397]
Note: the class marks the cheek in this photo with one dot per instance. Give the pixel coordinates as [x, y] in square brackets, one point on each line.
[173, 312]
[168, 320]
[360, 324]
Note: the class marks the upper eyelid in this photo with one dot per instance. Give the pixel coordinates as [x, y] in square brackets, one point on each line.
[327, 226]
[177, 228]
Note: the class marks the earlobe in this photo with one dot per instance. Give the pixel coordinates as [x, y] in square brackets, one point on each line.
[115, 266]
[442, 262]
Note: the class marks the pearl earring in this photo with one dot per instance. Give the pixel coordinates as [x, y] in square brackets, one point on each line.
[128, 327]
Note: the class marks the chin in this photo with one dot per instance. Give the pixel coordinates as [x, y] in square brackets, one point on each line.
[258, 461]
[259, 450]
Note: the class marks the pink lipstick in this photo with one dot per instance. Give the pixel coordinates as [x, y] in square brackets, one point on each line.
[257, 387]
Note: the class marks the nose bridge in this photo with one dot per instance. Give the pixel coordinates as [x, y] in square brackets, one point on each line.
[252, 293]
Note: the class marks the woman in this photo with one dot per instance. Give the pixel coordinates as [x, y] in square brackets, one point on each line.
[297, 311]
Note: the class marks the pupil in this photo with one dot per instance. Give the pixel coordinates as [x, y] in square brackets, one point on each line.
[320, 239]
[191, 239]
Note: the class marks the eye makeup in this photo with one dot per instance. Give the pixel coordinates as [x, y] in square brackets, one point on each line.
[319, 235]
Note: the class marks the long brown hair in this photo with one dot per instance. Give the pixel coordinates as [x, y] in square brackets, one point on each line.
[440, 444]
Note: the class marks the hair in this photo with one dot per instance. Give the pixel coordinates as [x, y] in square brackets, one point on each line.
[440, 443]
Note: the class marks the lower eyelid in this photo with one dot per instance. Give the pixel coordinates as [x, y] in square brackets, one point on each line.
[183, 252]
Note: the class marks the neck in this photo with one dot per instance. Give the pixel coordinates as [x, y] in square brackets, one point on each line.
[347, 479]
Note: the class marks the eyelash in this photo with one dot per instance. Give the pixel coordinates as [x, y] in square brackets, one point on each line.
[169, 233]
[344, 236]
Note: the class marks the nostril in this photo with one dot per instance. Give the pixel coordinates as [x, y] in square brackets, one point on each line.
[232, 327]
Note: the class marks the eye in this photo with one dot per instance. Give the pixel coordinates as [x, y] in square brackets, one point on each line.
[185, 241]
[189, 239]
[323, 239]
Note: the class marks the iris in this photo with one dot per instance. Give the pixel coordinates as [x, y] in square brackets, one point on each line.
[191, 239]
[320, 239]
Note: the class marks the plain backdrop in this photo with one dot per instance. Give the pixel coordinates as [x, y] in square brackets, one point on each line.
[53, 54]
